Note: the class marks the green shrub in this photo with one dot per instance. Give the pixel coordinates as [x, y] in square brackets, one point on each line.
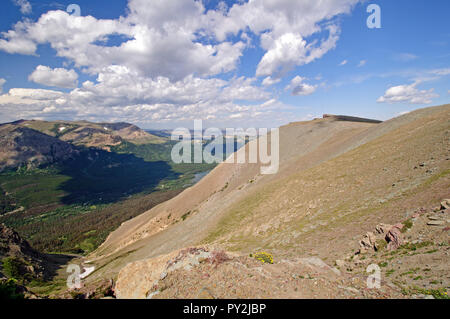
[11, 267]
[410, 246]
[9, 290]
[436, 293]
[15, 268]
[380, 244]
[185, 215]
[407, 225]
[390, 272]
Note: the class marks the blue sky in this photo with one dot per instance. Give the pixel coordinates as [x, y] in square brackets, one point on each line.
[162, 64]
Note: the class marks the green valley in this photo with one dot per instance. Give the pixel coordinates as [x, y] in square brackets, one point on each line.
[71, 205]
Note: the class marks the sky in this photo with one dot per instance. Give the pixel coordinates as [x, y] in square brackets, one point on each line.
[162, 64]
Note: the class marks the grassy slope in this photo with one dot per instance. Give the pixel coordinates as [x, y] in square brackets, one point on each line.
[307, 210]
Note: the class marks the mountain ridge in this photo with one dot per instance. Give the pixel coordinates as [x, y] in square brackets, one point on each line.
[34, 143]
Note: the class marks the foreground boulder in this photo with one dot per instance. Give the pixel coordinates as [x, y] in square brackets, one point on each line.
[131, 286]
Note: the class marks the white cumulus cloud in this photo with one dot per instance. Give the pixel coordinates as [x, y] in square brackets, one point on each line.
[299, 87]
[168, 66]
[408, 94]
[34, 94]
[121, 94]
[58, 77]
[269, 81]
[165, 43]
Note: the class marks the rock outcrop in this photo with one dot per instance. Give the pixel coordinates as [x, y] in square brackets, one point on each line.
[394, 237]
[385, 234]
[131, 286]
[17, 252]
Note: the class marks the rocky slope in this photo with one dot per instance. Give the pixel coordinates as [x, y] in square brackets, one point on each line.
[28, 263]
[411, 257]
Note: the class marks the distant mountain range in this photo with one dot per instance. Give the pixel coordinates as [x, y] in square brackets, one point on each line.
[33, 143]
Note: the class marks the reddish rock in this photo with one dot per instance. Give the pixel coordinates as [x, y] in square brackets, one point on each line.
[394, 237]
[419, 212]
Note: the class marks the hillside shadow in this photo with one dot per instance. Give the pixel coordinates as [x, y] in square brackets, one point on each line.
[54, 263]
[100, 177]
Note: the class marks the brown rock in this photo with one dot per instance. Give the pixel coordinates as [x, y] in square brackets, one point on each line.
[445, 204]
[436, 223]
[368, 242]
[394, 237]
[137, 280]
[383, 228]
